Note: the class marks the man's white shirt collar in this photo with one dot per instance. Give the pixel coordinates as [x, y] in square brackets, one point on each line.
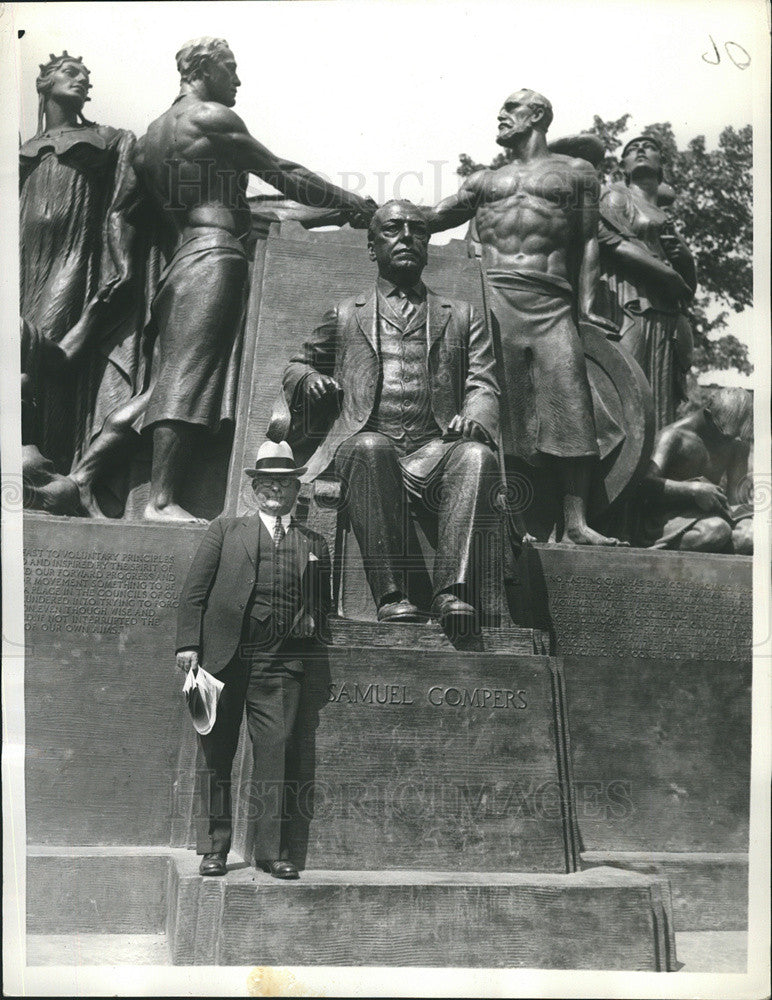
[269, 520]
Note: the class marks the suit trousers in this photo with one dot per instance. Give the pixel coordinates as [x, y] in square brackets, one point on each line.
[457, 513]
[268, 683]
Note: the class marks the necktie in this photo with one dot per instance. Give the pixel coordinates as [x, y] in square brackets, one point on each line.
[278, 531]
[405, 306]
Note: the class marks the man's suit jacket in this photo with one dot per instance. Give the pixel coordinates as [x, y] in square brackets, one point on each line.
[460, 359]
[222, 576]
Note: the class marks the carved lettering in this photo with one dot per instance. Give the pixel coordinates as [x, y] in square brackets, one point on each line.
[372, 694]
[82, 591]
[438, 696]
[455, 697]
[644, 617]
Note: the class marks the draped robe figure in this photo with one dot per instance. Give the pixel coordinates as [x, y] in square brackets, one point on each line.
[75, 249]
[647, 276]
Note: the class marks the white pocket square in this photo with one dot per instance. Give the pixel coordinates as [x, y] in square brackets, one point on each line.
[312, 557]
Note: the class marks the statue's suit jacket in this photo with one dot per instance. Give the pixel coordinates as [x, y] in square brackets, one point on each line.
[222, 576]
[460, 360]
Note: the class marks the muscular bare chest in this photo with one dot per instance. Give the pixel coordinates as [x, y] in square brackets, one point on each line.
[545, 185]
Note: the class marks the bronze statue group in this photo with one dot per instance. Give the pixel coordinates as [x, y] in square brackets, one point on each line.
[134, 275]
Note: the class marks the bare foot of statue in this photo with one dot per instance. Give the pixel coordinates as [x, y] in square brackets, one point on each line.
[89, 502]
[577, 487]
[584, 535]
[171, 512]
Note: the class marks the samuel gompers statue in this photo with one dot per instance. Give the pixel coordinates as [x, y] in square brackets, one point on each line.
[192, 165]
[537, 222]
[410, 376]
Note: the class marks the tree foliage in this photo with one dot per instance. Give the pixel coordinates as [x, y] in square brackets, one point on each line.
[713, 211]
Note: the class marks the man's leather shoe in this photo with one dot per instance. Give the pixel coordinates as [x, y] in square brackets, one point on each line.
[279, 869]
[399, 612]
[213, 864]
[454, 615]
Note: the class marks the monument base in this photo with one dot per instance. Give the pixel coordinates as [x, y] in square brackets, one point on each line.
[602, 918]
[709, 889]
[420, 756]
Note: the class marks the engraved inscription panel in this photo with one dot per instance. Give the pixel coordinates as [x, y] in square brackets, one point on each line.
[625, 614]
[104, 709]
[439, 762]
[644, 604]
[87, 591]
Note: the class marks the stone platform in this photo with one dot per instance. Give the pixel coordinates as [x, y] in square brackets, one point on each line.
[434, 769]
[599, 919]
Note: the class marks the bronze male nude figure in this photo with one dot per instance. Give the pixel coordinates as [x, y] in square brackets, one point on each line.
[193, 165]
[537, 220]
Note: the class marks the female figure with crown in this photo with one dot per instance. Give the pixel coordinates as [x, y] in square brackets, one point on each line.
[76, 240]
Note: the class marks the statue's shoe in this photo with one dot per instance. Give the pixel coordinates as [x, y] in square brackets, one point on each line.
[454, 615]
[213, 864]
[398, 612]
[279, 869]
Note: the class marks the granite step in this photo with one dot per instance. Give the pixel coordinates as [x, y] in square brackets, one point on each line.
[598, 919]
[709, 889]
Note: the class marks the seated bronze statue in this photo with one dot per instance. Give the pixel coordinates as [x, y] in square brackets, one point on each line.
[406, 379]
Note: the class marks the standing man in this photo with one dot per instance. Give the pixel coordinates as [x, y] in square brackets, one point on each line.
[537, 222]
[257, 593]
[417, 423]
[193, 164]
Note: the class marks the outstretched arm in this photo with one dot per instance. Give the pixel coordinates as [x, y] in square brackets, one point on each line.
[227, 132]
[459, 207]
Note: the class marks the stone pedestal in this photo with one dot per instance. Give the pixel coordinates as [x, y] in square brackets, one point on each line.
[429, 760]
[447, 790]
[601, 919]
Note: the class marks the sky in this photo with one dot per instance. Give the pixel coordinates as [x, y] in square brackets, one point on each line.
[383, 96]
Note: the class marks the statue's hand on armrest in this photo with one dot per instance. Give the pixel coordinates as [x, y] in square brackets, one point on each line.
[315, 402]
[281, 420]
[317, 387]
[464, 427]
